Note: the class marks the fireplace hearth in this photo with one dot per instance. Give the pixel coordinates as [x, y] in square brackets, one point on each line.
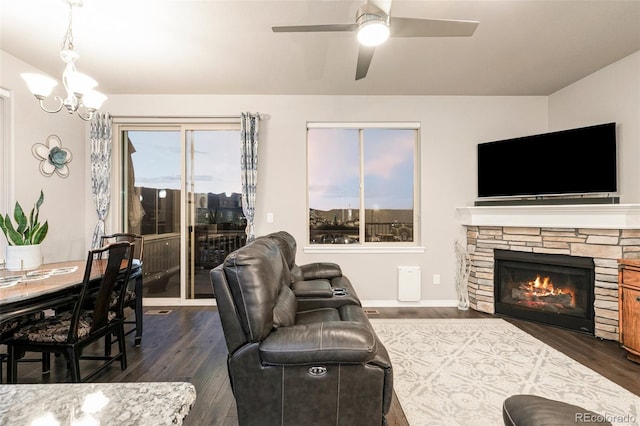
[548, 288]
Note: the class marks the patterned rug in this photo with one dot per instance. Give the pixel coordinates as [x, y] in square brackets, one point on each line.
[458, 372]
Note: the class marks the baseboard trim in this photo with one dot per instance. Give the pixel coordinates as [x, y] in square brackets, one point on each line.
[443, 303]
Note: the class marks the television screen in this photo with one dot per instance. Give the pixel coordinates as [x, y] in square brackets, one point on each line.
[576, 161]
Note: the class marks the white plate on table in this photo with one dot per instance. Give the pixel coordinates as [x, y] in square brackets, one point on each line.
[6, 282]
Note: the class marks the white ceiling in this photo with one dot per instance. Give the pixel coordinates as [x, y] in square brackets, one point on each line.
[521, 47]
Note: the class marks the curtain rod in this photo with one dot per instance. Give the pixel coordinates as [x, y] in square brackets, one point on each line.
[186, 117]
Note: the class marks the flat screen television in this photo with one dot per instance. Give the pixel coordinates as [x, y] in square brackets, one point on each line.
[575, 161]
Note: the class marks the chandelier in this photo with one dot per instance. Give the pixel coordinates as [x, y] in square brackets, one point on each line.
[81, 98]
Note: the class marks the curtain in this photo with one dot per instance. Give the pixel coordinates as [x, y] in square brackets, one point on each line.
[100, 141]
[249, 167]
[136, 211]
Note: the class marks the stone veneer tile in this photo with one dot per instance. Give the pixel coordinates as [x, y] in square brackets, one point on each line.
[606, 263]
[631, 233]
[551, 251]
[520, 237]
[606, 292]
[558, 232]
[485, 307]
[606, 313]
[630, 242]
[521, 230]
[601, 239]
[609, 285]
[610, 305]
[572, 239]
[604, 278]
[554, 244]
[591, 250]
[592, 231]
[521, 248]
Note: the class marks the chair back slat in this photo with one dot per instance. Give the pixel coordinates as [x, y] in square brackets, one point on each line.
[111, 263]
[136, 239]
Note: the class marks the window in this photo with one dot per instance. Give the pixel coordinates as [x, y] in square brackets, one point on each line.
[362, 183]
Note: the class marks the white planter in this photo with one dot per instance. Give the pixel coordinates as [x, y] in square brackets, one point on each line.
[21, 258]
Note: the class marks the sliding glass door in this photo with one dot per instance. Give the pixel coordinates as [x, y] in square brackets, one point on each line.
[215, 221]
[181, 191]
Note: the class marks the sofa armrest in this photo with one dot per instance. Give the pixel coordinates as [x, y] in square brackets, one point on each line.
[316, 271]
[331, 342]
[312, 288]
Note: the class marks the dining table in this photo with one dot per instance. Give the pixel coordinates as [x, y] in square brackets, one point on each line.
[51, 285]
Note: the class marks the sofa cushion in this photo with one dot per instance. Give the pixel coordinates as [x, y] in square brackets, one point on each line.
[284, 312]
[317, 315]
[287, 244]
[332, 342]
[255, 274]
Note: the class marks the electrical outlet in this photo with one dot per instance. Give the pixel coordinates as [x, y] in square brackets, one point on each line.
[436, 279]
[269, 217]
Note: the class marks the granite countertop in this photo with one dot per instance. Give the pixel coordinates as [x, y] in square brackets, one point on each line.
[64, 404]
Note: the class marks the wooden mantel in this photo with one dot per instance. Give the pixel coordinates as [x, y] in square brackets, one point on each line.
[598, 216]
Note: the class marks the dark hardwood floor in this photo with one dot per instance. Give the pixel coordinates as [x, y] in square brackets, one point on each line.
[187, 344]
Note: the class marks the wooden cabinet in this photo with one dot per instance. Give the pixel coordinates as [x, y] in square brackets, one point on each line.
[629, 307]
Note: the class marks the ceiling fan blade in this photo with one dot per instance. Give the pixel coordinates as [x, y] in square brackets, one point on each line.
[384, 5]
[314, 28]
[365, 54]
[416, 27]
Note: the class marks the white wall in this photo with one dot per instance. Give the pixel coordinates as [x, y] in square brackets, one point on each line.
[64, 206]
[451, 128]
[610, 95]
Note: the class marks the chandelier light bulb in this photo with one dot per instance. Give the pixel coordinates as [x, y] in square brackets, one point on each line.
[40, 85]
[93, 100]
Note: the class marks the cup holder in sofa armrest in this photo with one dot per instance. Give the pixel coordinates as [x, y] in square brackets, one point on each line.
[312, 288]
[340, 292]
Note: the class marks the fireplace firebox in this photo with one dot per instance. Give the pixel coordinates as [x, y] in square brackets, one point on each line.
[548, 288]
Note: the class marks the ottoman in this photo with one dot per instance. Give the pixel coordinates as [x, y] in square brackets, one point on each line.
[532, 410]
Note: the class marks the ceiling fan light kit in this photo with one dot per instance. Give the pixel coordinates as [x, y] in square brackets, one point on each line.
[373, 26]
[81, 98]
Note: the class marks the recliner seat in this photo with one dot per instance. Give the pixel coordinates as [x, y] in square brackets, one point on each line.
[287, 366]
[318, 284]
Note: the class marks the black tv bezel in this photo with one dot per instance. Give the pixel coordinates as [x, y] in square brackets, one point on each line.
[611, 192]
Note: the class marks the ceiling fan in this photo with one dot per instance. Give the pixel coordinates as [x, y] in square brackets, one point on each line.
[374, 25]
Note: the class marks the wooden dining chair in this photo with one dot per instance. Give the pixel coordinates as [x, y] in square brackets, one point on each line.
[133, 294]
[92, 318]
[8, 326]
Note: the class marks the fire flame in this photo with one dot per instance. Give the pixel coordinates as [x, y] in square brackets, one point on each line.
[544, 287]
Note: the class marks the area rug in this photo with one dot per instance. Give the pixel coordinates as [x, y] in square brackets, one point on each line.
[459, 371]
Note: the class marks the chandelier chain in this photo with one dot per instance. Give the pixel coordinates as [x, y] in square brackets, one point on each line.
[67, 43]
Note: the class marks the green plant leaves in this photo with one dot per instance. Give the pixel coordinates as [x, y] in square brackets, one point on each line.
[27, 231]
[38, 234]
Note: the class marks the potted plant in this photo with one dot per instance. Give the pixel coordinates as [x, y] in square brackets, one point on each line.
[24, 237]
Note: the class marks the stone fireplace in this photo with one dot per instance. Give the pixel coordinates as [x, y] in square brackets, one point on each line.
[601, 234]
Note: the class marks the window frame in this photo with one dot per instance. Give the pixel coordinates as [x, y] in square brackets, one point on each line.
[117, 220]
[363, 246]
